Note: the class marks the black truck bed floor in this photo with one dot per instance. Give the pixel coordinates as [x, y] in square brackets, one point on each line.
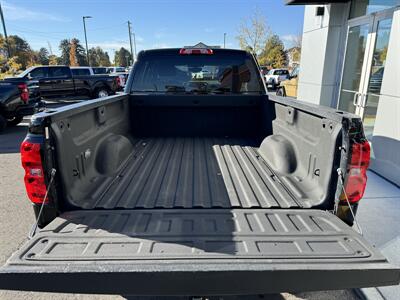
[195, 173]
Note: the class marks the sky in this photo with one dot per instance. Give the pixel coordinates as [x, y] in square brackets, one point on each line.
[156, 23]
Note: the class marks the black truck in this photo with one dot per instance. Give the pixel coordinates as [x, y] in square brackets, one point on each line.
[18, 95]
[18, 98]
[59, 82]
[195, 185]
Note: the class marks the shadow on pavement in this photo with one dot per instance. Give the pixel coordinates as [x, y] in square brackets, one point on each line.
[12, 137]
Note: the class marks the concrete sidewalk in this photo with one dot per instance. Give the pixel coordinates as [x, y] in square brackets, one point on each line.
[379, 217]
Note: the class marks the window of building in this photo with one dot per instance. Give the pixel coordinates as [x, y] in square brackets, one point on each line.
[365, 7]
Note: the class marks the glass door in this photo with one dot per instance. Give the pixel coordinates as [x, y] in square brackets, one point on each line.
[354, 63]
[364, 66]
[371, 93]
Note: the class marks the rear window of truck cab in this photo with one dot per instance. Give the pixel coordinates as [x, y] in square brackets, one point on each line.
[223, 71]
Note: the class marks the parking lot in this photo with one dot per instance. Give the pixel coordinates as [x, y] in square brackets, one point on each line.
[17, 218]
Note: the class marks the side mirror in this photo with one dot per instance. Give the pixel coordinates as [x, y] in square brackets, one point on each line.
[29, 76]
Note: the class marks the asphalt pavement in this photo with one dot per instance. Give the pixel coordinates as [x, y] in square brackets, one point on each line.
[16, 219]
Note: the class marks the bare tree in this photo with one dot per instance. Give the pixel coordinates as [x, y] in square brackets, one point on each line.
[253, 33]
[297, 40]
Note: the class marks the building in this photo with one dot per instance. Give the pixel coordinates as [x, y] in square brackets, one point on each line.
[351, 61]
[293, 57]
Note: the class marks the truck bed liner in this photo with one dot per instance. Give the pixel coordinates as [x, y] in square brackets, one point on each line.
[196, 172]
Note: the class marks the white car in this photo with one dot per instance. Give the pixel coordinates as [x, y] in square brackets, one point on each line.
[275, 76]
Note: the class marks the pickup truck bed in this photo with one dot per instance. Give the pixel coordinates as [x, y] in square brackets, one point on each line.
[179, 189]
[199, 172]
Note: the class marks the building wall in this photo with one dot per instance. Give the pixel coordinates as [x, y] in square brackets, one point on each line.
[321, 65]
[322, 52]
[385, 159]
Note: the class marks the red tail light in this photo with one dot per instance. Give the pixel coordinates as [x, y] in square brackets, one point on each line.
[118, 81]
[190, 51]
[357, 172]
[23, 88]
[34, 176]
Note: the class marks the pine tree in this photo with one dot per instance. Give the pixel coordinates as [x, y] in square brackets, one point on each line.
[273, 54]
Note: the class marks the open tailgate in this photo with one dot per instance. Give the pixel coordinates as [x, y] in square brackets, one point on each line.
[196, 252]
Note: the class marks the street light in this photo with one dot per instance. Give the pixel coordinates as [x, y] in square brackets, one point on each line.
[224, 40]
[84, 29]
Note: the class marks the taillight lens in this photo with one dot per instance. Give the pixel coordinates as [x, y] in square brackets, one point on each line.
[191, 51]
[356, 180]
[23, 88]
[34, 176]
[118, 81]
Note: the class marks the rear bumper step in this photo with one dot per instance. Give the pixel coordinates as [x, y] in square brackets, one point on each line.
[196, 252]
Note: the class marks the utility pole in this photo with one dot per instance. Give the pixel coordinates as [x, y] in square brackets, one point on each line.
[84, 29]
[134, 43]
[5, 32]
[50, 49]
[130, 41]
[224, 40]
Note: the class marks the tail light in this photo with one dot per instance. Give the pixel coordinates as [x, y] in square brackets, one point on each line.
[191, 51]
[34, 176]
[23, 88]
[357, 172]
[118, 81]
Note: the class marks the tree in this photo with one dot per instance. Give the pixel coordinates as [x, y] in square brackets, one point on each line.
[98, 57]
[253, 33]
[20, 49]
[22, 55]
[72, 54]
[43, 56]
[122, 57]
[54, 60]
[79, 52]
[11, 67]
[274, 53]
[64, 47]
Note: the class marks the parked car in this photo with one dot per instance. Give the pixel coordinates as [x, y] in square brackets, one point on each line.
[18, 98]
[186, 186]
[121, 72]
[288, 88]
[275, 76]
